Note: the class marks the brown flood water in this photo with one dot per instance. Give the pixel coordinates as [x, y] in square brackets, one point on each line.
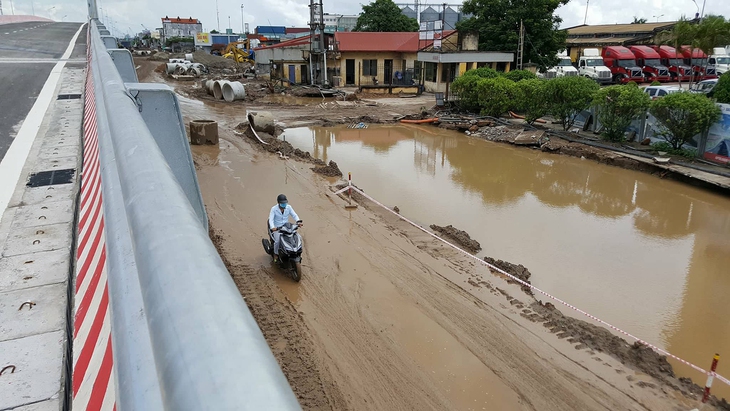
[650, 256]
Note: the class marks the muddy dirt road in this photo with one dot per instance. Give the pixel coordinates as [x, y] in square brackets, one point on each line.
[385, 317]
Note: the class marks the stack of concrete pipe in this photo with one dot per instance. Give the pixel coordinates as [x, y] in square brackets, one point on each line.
[180, 66]
[224, 89]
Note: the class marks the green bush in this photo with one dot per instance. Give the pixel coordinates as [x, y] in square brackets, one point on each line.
[566, 97]
[483, 72]
[617, 106]
[721, 92]
[466, 88]
[519, 75]
[496, 96]
[656, 83]
[684, 152]
[530, 99]
[683, 115]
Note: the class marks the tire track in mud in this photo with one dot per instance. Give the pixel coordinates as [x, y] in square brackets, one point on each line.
[286, 334]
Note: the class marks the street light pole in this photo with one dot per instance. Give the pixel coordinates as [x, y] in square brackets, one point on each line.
[242, 32]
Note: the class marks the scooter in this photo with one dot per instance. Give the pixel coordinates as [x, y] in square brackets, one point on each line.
[290, 249]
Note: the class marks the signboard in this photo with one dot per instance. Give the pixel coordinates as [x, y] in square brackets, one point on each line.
[203, 39]
[718, 139]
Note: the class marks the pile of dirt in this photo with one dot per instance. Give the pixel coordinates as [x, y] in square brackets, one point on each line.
[211, 61]
[519, 271]
[281, 147]
[330, 170]
[460, 237]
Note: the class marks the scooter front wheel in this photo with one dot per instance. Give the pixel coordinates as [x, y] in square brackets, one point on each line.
[296, 272]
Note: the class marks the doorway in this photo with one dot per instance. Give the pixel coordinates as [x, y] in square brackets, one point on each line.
[350, 72]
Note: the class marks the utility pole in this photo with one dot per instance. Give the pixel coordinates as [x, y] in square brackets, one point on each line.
[586, 16]
[521, 46]
[217, 16]
[242, 32]
[1, 8]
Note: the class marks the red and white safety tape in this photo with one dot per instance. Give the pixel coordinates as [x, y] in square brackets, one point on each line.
[93, 384]
[532, 287]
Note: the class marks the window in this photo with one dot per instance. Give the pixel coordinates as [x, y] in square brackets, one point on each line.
[370, 67]
[431, 69]
[448, 72]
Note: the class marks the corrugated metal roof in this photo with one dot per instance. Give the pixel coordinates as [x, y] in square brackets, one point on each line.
[299, 41]
[599, 40]
[619, 28]
[400, 42]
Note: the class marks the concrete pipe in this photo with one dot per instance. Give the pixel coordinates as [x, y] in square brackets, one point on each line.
[203, 132]
[189, 57]
[180, 69]
[170, 67]
[175, 60]
[218, 88]
[262, 121]
[233, 91]
[208, 85]
[194, 71]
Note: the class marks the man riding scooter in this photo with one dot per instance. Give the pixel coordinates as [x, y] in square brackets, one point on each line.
[279, 216]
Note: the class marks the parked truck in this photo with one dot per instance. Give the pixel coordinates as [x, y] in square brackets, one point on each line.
[720, 60]
[563, 69]
[674, 60]
[591, 65]
[651, 67]
[622, 64]
[698, 60]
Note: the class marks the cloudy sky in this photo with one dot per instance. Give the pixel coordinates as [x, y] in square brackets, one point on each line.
[127, 15]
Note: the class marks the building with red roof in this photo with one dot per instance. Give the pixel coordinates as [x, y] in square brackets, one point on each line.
[179, 27]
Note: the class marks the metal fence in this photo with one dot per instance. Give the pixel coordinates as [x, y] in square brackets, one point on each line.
[182, 334]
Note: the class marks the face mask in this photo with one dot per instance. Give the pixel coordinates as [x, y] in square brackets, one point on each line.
[282, 205]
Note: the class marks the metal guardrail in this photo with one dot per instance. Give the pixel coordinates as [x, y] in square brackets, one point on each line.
[183, 337]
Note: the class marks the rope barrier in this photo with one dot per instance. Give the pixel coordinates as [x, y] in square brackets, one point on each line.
[532, 287]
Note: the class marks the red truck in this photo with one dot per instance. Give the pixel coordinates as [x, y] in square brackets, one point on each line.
[651, 66]
[622, 64]
[698, 60]
[673, 59]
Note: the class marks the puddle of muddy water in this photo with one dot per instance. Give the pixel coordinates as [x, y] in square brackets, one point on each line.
[648, 255]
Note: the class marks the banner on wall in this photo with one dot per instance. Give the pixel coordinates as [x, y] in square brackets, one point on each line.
[718, 139]
[202, 39]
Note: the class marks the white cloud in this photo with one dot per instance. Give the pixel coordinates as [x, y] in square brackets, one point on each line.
[127, 15]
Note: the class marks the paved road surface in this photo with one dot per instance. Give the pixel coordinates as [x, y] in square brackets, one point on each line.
[28, 52]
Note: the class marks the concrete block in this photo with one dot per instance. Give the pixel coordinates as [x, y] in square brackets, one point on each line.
[35, 195]
[58, 152]
[33, 270]
[46, 213]
[43, 310]
[30, 240]
[39, 369]
[50, 405]
[203, 132]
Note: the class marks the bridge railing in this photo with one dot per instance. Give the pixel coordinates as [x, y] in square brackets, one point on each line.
[182, 335]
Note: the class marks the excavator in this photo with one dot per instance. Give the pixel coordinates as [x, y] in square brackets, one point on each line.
[241, 55]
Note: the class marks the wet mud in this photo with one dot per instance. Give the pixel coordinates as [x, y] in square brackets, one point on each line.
[460, 237]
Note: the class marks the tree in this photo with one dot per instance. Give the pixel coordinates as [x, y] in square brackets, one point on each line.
[721, 92]
[617, 106]
[638, 20]
[384, 15]
[214, 31]
[568, 96]
[530, 98]
[519, 75]
[483, 72]
[465, 87]
[496, 95]
[498, 25]
[683, 115]
[713, 31]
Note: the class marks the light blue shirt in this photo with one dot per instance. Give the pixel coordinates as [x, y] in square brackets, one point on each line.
[278, 219]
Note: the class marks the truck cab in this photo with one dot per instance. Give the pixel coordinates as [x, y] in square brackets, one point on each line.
[698, 60]
[650, 62]
[670, 57]
[591, 65]
[720, 60]
[563, 69]
[622, 64]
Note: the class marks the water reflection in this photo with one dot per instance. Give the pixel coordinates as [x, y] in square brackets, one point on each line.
[648, 254]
